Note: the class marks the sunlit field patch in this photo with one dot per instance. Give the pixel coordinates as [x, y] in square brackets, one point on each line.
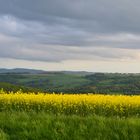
[69, 104]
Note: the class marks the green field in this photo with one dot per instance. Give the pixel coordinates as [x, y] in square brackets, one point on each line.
[41, 126]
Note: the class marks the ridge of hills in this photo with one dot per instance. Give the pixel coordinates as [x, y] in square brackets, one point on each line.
[69, 81]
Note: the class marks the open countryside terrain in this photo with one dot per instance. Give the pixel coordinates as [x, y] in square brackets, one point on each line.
[38, 105]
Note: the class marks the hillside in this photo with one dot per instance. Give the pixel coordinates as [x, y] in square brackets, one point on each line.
[71, 82]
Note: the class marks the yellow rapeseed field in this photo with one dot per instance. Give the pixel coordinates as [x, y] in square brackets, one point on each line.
[79, 104]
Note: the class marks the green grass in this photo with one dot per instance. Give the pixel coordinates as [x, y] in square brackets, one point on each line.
[41, 126]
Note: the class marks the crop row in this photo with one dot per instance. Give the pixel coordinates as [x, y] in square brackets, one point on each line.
[79, 104]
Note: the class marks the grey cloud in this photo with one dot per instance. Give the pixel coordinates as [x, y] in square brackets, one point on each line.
[17, 49]
[57, 30]
[113, 16]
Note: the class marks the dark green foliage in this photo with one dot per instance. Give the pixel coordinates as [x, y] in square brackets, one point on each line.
[11, 87]
[33, 126]
[114, 83]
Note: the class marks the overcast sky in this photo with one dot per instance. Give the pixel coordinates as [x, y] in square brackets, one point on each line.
[90, 35]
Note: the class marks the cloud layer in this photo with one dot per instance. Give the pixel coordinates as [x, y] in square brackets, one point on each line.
[61, 30]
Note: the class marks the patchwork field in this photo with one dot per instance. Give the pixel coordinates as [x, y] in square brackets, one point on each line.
[72, 82]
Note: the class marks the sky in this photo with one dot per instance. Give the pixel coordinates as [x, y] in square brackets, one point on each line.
[77, 35]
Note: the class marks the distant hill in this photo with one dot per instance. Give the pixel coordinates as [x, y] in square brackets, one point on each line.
[78, 72]
[21, 70]
[33, 71]
[69, 81]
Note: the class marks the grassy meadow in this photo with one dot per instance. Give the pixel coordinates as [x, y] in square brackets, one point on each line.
[41, 126]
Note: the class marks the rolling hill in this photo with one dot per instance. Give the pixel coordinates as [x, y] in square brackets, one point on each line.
[69, 81]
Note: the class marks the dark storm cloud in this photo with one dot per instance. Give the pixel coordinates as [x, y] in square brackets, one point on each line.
[29, 29]
[104, 15]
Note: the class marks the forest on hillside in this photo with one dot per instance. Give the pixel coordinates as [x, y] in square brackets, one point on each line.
[62, 82]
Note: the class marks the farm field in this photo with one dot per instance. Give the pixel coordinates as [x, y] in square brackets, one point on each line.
[68, 117]
[71, 104]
